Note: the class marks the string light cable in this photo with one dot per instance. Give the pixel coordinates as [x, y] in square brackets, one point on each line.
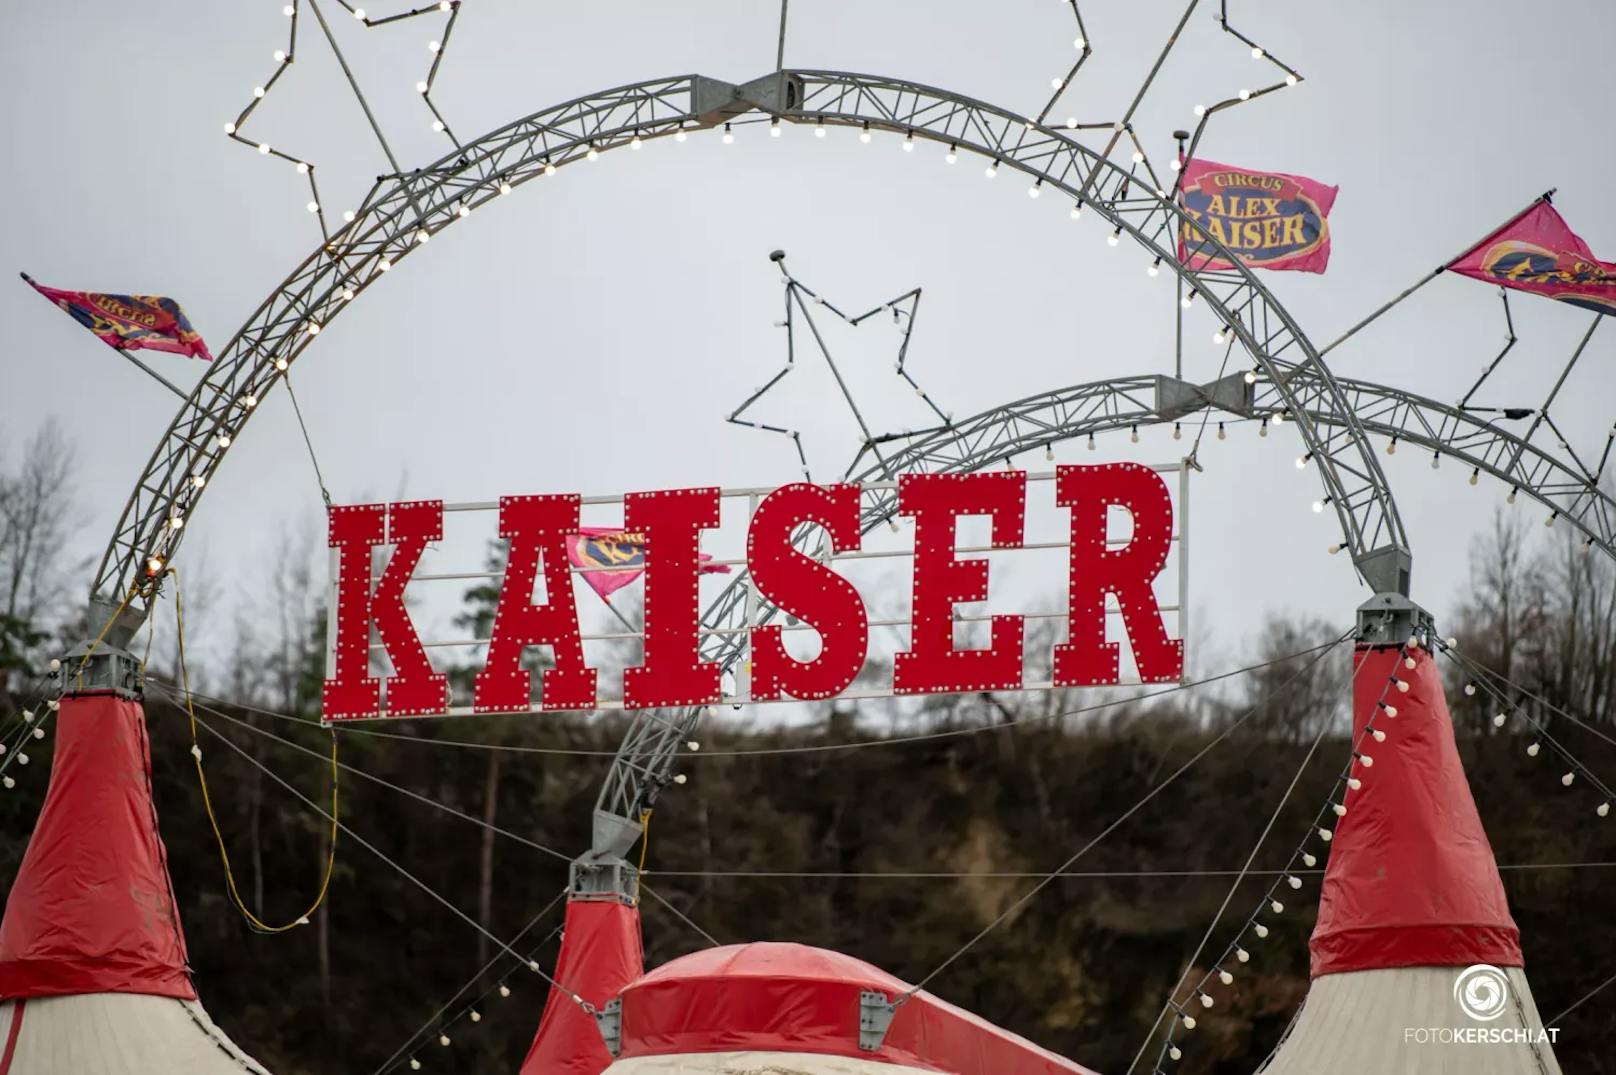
[258, 924]
[178, 698]
[1149, 796]
[857, 744]
[397, 867]
[436, 1018]
[1289, 878]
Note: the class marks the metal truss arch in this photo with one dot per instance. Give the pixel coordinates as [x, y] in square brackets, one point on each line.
[403, 211]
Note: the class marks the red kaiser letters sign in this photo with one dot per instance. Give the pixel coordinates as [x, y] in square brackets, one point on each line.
[668, 527]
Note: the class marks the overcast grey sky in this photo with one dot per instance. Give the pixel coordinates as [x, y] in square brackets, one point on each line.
[590, 334]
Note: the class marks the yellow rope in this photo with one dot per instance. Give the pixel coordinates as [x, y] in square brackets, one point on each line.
[207, 801]
[645, 846]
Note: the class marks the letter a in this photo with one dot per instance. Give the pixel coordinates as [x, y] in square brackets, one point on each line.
[537, 527]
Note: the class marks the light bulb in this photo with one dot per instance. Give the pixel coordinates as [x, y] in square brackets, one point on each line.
[348, 216]
[1138, 156]
[549, 168]
[250, 400]
[1500, 720]
[992, 170]
[1080, 44]
[280, 55]
[951, 156]
[1260, 930]
[198, 481]
[476, 1016]
[504, 990]
[1256, 52]
[593, 153]
[1510, 499]
[384, 265]
[1049, 453]
[359, 13]
[415, 1065]
[1221, 434]
[1154, 269]
[1301, 460]
[1056, 83]
[909, 143]
[504, 187]
[1567, 780]
[1175, 1052]
[263, 148]
[1114, 238]
[1532, 751]
[1318, 507]
[154, 566]
[692, 746]
[433, 46]
[729, 135]
[1225, 977]
[314, 328]
[1133, 435]
[1189, 1022]
[1603, 809]
[1251, 375]
[1475, 476]
[1206, 1001]
[258, 91]
[1076, 213]
[1355, 784]
[1200, 110]
[774, 129]
[288, 10]
[680, 778]
[229, 128]
[1436, 460]
[1326, 835]
[1470, 690]
[1391, 446]
[1276, 907]
[443, 1040]
[1242, 955]
[679, 135]
[1178, 434]
[864, 135]
[1245, 95]
[420, 87]
[1036, 189]
[1091, 442]
[1391, 710]
[176, 522]
[224, 440]
[1309, 860]
[1290, 80]
[1175, 164]
[313, 207]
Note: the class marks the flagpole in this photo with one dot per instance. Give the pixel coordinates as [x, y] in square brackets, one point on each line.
[154, 375]
[1433, 274]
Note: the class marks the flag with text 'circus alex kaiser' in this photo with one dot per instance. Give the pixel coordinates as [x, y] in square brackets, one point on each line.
[1537, 252]
[1268, 220]
[610, 559]
[130, 322]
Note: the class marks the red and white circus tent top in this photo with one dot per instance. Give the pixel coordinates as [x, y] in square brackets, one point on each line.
[1411, 898]
[766, 1007]
[94, 978]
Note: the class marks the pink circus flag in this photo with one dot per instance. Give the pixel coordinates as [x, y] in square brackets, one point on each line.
[611, 558]
[1269, 220]
[1537, 252]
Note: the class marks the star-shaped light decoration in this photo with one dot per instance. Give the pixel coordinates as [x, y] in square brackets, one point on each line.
[801, 302]
[284, 58]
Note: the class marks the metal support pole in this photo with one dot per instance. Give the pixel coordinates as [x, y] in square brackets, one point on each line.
[1434, 273]
[154, 375]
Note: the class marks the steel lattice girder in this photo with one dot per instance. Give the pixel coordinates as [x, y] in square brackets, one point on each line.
[402, 211]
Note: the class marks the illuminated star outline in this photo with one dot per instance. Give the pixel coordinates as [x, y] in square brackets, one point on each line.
[799, 300]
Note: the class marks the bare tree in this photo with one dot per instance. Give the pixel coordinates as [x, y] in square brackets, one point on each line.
[36, 558]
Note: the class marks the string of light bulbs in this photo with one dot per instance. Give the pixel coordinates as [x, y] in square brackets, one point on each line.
[1486, 681]
[1320, 834]
[284, 58]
